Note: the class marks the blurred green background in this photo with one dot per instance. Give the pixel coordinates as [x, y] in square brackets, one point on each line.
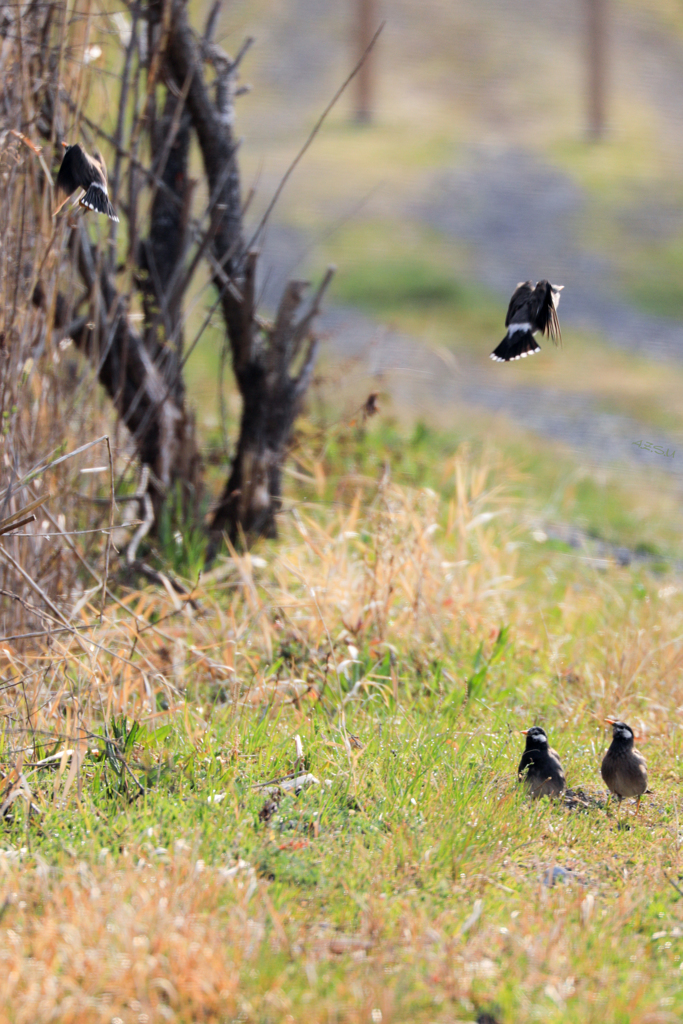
[477, 171]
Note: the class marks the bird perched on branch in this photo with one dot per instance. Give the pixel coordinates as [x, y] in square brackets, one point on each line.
[531, 310]
[80, 170]
[623, 767]
[540, 768]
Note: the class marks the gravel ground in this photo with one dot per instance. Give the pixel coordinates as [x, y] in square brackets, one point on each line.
[517, 213]
[419, 378]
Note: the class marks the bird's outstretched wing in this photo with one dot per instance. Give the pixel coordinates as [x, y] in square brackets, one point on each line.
[552, 324]
[519, 303]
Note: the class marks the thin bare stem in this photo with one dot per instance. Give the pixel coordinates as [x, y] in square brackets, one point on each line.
[318, 125]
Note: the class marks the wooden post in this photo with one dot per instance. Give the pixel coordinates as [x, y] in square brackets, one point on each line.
[366, 18]
[596, 56]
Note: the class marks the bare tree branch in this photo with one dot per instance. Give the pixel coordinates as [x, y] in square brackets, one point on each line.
[316, 128]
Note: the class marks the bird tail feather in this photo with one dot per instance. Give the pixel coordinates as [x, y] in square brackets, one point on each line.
[515, 346]
[96, 199]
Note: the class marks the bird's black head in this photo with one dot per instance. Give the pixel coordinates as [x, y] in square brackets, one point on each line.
[544, 287]
[621, 732]
[536, 738]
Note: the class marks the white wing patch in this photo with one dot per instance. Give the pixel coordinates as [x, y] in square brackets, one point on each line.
[518, 327]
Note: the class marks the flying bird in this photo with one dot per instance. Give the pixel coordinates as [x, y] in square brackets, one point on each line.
[80, 170]
[540, 768]
[623, 767]
[530, 310]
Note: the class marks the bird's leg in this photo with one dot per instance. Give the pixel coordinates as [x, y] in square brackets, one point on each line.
[637, 803]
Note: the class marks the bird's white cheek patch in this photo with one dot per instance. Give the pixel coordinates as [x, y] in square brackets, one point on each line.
[518, 327]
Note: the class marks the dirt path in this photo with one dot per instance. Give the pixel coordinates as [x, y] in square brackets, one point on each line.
[519, 214]
[420, 379]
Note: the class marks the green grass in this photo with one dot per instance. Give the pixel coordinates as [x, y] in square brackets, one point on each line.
[655, 284]
[409, 879]
[387, 858]
[631, 157]
[416, 280]
[415, 283]
[618, 505]
[387, 288]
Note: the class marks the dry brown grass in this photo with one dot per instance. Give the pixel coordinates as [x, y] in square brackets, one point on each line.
[49, 398]
[393, 567]
[155, 934]
[175, 924]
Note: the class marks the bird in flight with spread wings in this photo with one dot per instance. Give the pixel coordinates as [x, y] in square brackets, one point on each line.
[80, 170]
[532, 309]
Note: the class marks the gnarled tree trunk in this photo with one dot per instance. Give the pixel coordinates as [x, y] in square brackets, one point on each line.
[142, 371]
[263, 355]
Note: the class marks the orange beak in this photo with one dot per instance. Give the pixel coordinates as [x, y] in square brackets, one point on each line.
[638, 738]
[524, 731]
[65, 144]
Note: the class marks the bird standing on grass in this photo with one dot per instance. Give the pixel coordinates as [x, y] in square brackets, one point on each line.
[80, 170]
[623, 767]
[540, 768]
[530, 310]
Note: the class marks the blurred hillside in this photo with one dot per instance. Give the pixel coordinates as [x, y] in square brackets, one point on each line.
[477, 173]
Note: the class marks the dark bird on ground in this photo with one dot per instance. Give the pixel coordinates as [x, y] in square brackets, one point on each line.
[80, 170]
[623, 767]
[540, 768]
[486, 1018]
[531, 310]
